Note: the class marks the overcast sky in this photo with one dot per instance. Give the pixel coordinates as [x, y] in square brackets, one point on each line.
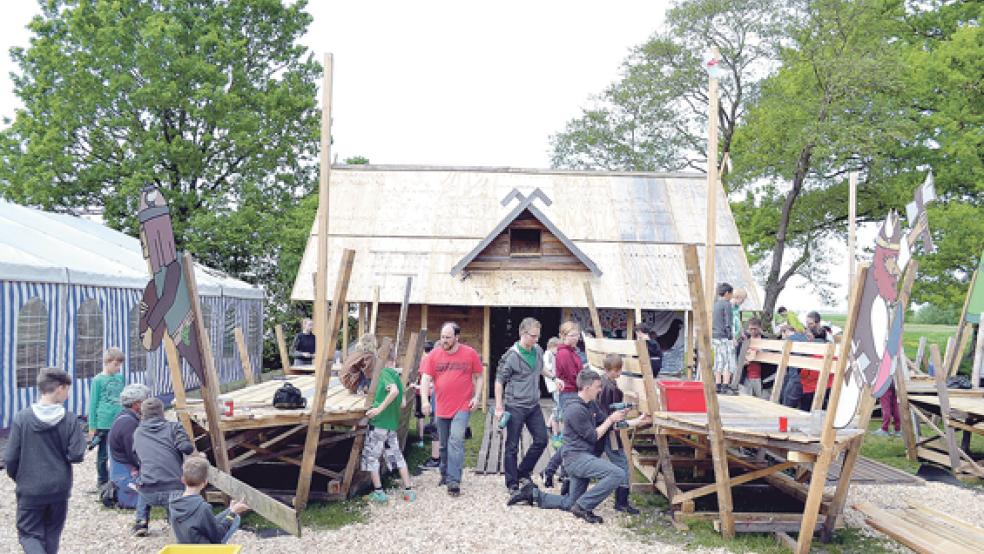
[453, 83]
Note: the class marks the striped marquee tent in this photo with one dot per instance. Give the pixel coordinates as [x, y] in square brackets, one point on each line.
[70, 288]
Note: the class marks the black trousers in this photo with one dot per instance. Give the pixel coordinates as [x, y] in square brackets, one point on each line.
[39, 527]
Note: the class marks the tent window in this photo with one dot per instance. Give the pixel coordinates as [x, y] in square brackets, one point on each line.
[207, 319]
[229, 337]
[525, 242]
[255, 335]
[32, 342]
[137, 357]
[88, 340]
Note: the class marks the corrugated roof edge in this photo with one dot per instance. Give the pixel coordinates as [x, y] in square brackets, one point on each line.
[525, 171]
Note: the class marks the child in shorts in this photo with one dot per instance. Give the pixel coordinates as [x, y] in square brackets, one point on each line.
[381, 437]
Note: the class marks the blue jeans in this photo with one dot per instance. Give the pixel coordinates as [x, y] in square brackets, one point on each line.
[126, 493]
[792, 389]
[618, 458]
[156, 498]
[532, 419]
[232, 527]
[452, 433]
[584, 466]
[554, 464]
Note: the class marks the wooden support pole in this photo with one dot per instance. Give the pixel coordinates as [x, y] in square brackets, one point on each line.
[345, 330]
[629, 325]
[486, 354]
[962, 329]
[852, 226]
[401, 326]
[423, 321]
[814, 497]
[719, 452]
[920, 353]
[905, 411]
[688, 344]
[322, 375]
[177, 385]
[324, 341]
[210, 385]
[712, 183]
[777, 384]
[362, 320]
[940, 378]
[648, 380]
[821, 390]
[244, 357]
[593, 310]
[282, 347]
[375, 310]
[276, 512]
[978, 367]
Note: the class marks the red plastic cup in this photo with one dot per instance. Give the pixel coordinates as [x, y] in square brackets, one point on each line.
[783, 424]
[229, 409]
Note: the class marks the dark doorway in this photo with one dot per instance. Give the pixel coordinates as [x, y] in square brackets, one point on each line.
[505, 332]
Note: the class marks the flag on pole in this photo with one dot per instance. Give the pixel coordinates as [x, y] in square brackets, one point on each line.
[714, 66]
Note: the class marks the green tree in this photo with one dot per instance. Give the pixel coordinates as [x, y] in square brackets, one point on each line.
[654, 118]
[213, 101]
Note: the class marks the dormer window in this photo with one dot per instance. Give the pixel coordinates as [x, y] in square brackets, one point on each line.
[525, 243]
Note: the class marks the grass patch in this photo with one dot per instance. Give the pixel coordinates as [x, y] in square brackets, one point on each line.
[935, 334]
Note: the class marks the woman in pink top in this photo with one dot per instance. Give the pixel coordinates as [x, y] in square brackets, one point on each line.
[568, 365]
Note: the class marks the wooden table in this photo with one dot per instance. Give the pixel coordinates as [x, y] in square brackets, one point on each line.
[958, 412]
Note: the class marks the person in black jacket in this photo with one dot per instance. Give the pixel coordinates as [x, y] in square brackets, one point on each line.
[124, 468]
[45, 440]
[612, 441]
[158, 445]
[191, 517]
[302, 349]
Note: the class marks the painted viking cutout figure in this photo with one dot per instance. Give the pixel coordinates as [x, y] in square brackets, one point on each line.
[165, 305]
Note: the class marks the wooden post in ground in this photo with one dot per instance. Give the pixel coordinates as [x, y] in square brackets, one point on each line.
[423, 322]
[244, 357]
[940, 379]
[852, 225]
[719, 451]
[401, 326]
[688, 344]
[978, 367]
[486, 354]
[712, 182]
[953, 363]
[814, 497]
[821, 390]
[593, 311]
[210, 385]
[920, 353]
[777, 383]
[905, 412]
[322, 375]
[345, 330]
[411, 367]
[177, 384]
[629, 325]
[282, 348]
[375, 310]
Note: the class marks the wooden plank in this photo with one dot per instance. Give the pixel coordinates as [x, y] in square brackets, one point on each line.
[710, 234]
[267, 444]
[919, 538]
[486, 354]
[781, 371]
[821, 391]
[648, 380]
[840, 493]
[345, 331]
[282, 347]
[244, 357]
[483, 450]
[905, 412]
[715, 432]
[962, 328]
[940, 377]
[322, 375]
[353, 461]
[593, 310]
[811, 508]
[629, 324]
[401, 327]
[373, 319]
[734, 481]
[177, 384]
[210, 386]
[276, 512]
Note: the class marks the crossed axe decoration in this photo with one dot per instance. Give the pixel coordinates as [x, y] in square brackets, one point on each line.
[915, 212]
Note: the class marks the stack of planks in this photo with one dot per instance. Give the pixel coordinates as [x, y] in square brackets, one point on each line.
[924, 530]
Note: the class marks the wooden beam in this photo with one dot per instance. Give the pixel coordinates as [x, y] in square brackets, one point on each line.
[177, 385]
[353, 461]
[821, 390]
[733, 482]
[781, 369]
[345, 331]
[276, 512]
[375, 310]
[322, 374]
[710, 239]
[920, 353]
[324, 346]
[593, 310]
[852, 224]
[648, 380]
[383, 356]
[362, 320]
[401, 326]
[210, 387]
[278, 330]
[423, 321]
[978, 367]
[814, 498]
[486, 354]
[957, 356]
[244, 357]
[411, 366]
[268, 443]
[905, 412]
[940, 378]
[629, 325]
[715, 434]
[962, 328]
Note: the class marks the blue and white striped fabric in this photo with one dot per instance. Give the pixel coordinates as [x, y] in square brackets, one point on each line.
[117, 306]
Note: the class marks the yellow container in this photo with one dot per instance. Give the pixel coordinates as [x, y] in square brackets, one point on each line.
[201, 549]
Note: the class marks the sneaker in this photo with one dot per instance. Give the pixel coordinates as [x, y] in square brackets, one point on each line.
[548, 482]
[896, 433]
[586, 515]
[454, 489]
[409, 495]
[378, 496]
[557, 441]
[431, 463]
[880, 433]
[443, 481]
[526, 493]
[140, 529]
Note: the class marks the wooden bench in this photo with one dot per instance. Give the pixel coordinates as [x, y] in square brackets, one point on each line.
[924, 530]
[816, 356]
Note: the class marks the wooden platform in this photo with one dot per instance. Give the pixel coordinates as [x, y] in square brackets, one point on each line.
[924, 530]
[253, 406]
[491, 452]
[871, 472]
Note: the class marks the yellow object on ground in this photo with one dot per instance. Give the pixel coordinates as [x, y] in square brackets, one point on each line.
[201, 549]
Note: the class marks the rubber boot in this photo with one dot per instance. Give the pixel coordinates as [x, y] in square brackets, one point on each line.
[622, 501]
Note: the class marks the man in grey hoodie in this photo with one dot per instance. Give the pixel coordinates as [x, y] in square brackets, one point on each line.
[517, 391]
[44, 441]
[159, 446]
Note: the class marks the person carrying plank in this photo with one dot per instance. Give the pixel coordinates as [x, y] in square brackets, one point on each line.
[191, 517]
[381, 437]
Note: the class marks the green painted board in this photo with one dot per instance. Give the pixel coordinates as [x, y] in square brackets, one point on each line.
[976, 304]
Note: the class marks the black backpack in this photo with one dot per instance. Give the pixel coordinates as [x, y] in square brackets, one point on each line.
[107, 494]
[289, 397]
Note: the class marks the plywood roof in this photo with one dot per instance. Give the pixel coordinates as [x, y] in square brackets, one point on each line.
[421, 221]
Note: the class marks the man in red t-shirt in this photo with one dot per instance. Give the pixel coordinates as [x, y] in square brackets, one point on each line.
[456, 372]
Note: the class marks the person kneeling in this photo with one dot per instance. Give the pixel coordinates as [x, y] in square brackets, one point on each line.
[584, 425]
[191, 517]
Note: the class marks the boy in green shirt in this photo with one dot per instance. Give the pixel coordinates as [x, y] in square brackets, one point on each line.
[381, 437]
[104, 406]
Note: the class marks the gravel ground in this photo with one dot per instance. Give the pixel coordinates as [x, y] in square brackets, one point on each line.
[478, 521]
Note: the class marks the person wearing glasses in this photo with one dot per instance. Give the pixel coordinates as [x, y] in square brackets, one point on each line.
[517, 391]
[567, 365]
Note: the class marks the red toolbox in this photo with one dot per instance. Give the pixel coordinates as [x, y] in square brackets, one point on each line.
[682, 396]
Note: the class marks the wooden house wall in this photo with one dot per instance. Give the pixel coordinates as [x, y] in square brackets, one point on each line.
[469, 318]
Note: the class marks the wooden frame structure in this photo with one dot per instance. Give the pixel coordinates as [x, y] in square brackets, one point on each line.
[734, 423]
